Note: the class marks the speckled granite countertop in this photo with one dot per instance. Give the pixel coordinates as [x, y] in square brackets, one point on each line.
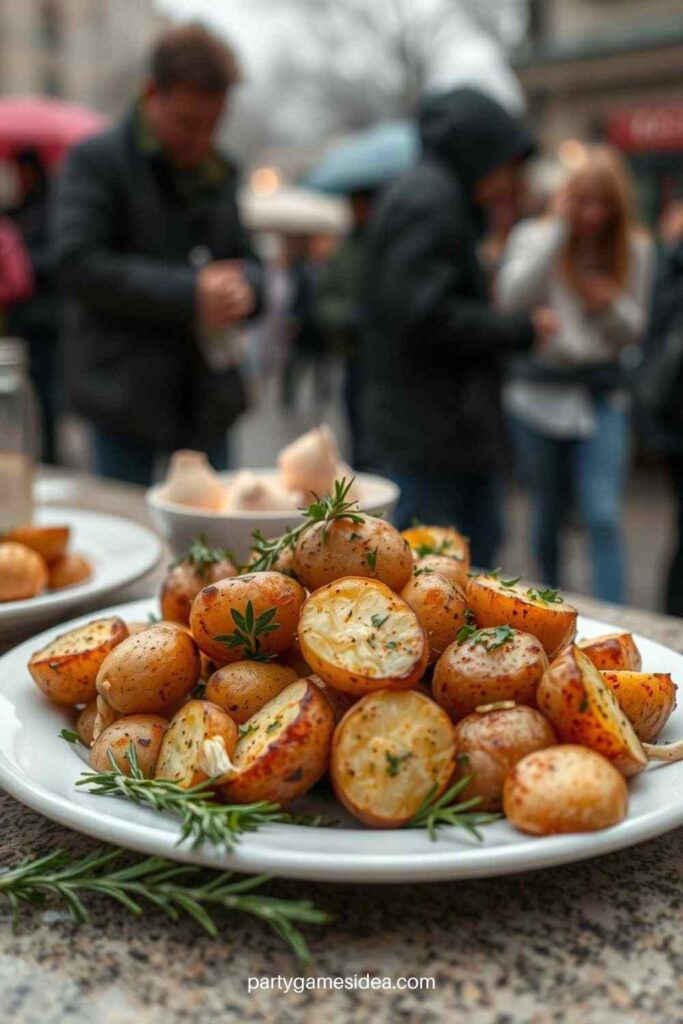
[600, 941]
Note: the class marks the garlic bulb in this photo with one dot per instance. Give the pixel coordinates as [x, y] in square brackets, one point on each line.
[250, 493]
[191, 480]
[310, 463]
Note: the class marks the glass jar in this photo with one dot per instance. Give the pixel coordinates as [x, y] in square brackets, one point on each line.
[19, 433]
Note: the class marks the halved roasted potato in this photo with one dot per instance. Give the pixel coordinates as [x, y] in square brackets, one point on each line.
[443, 541]
[566, 788]
[23, 572]
[369, 547]
[68, 570]
[359, 636]
[486, 666]
[245, 686]
[284, 748]
[144, 732]
[439, 605]
[49, 542]
[391, 750]
[542, 613]
[583, 709]
[612, 651]
[646, 698]
[66, 669]
[150, 671]
[198, 744]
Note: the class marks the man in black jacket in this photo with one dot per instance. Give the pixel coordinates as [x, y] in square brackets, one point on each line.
[433, 345]
[150, 250]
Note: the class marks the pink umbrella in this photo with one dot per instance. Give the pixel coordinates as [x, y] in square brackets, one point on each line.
[45, 124]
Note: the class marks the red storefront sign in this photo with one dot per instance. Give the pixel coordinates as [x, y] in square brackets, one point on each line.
[652, 128]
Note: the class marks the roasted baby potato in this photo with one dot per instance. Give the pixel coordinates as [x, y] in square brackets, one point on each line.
[183, 581]
[489, 743]
[390, 751]
[68, 570]
[339, 701]
[245, 686]
[646, 698]
[49, 542]
[284, 748]
[198, 745]
[222, 610]
[23, 572]
[566, 788]
[145, 732]
[450, 568]
[85, 723]
[542, 613]
[442, 541]
[612, 651]
[371, 547]
[283, 562]
[486, 666]
[67, 668]
[150, 671]
[295, 659]
[359, 636]
[105, 715]
[439, 605]
[583, 709]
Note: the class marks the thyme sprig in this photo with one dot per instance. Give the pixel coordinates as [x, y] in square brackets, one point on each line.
[248, 632]
[446, 810]
[200, 555]
[174, 888]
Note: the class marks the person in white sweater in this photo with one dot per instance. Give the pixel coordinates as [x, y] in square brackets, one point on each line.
[592, 267]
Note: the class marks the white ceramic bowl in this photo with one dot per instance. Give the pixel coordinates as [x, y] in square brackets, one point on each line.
[179, 524]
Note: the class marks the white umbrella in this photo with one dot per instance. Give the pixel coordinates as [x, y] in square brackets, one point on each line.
[294, 211]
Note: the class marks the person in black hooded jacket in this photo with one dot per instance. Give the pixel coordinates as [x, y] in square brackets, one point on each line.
[432, 343]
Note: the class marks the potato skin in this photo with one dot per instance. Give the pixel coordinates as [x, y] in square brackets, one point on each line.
[566, 788]
[245, 686]
[489, 744]
[212, 609]
[450, 568]
[149, 672]
[493, 604]
[183, 582]
[468, 674]
[23, 572]
[646, 698]
[371, 548]
[50, 542]
[194, 722]
[66, 669]
[296, 756]
[145, 732]
[613, 652]
[85, 723]
[339, 702]
[439, 542]
[439, 605]
[68, 570]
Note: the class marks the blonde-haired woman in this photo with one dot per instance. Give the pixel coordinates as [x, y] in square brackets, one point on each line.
[588, 263]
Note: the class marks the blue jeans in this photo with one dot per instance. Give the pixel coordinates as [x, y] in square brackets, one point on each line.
[593, 471]
[134, 461]
[472, 502]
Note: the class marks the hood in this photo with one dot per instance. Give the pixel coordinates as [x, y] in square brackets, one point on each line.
[472, 133]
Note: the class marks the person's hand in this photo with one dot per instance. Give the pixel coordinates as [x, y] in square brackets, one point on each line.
[224, 295]
[597, 292]
[545, 324]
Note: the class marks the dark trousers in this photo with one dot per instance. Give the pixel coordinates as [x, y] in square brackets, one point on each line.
[134, 461]
[674, 581]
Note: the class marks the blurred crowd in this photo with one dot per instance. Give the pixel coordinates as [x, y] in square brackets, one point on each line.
[484, 329]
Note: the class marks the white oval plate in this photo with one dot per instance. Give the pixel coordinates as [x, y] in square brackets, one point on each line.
[120, 551]
[40, 769]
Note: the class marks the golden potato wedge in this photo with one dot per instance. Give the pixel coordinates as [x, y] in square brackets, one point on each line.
[85, 723]
[440, 607]
[145, 732]
[583, 710]
[359, 636]
[612, 651]
[66, 670]
[438, 541]
[646, 698]
[284, 748]
[450, 568]
[242, 616]
[389, 752]
[372, 548]
[149, 672]
[200, 567]
[566, 788]
[198, 744]
[50, 542]
[245, 686]
[486, 666]
[542, 613]
[489, 743]
[68, 570]
[23, 572]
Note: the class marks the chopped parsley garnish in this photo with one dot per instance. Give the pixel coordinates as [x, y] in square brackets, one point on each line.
[246, 729]
[371, 559]
[275, 724]
[378, 620]
[69, 736]
[464, 633]
[491, 639]
[548, 595]
[394, 762]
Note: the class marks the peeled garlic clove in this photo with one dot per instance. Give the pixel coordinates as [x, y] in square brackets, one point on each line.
[249, 493]
[191, 480]
[310, 463]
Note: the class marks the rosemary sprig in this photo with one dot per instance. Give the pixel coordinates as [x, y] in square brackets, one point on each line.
[201, 556]
[433, 814]
[174, 888]
[248, 632]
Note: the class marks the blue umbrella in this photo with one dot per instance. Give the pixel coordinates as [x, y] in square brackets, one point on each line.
[367, 159]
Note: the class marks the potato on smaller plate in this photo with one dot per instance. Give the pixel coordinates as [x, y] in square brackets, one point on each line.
[23, 572]
[542, 612]
[612, 651]
[200, 566]
[145, 732]
[363, 546]
[566, 788]
[646, 698]
[68, 570]
[151, 671]
[50, 542]
[359, 636]
[198, 744]
[66, 669]
[439, 605]
[390, 751]
[284, 748]
[245, 686]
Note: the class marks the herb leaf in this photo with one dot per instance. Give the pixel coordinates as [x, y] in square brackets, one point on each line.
[201, 556]
[69, 736]
[547, 594]
[378, 620]
[433, 814]
[248, 631]
[394, 761]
